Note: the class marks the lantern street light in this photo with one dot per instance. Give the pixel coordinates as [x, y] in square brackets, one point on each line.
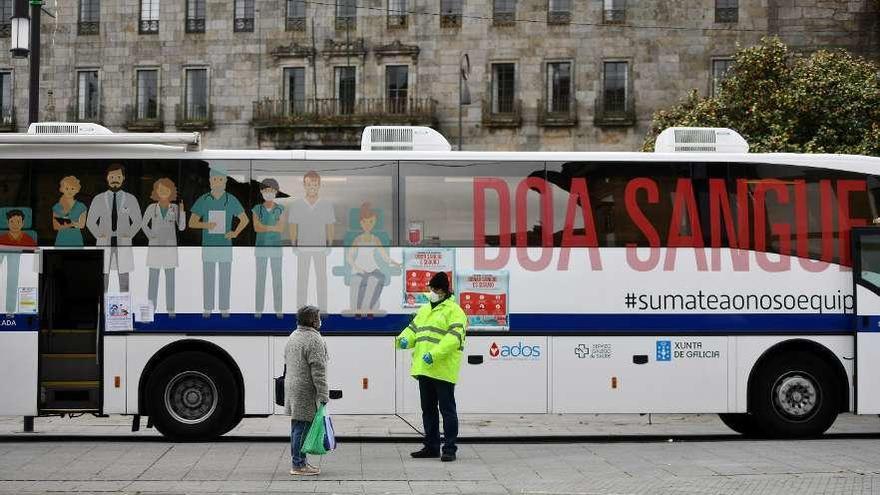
[21, 24]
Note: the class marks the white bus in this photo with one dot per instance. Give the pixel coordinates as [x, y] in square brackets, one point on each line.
[699, 279]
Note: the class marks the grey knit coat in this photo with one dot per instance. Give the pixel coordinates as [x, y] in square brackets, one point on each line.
[305, 385]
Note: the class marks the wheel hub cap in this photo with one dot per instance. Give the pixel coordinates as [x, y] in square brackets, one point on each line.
[191, 397]
[796, 396]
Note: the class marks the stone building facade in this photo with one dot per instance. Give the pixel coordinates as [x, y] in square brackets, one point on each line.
[544, 74]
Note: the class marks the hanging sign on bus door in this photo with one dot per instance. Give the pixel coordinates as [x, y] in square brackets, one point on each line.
[419, 265]
[483, 296]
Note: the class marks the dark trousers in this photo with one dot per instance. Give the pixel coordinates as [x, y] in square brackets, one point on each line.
[436, 393]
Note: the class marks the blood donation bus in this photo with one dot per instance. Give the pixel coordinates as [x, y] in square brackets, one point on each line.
[143, 275]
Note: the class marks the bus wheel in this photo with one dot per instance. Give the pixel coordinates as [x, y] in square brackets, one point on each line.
[192, 396]
[744, 424]
[794, 396]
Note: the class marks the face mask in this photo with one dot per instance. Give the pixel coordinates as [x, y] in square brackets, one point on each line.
[433, 296]
[268, 196]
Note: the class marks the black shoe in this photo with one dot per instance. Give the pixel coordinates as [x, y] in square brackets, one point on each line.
[425, 453]
[447, 457]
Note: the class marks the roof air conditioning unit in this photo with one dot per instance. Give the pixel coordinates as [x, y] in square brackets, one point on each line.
[701, 140]
[402, 138]
[81, 129]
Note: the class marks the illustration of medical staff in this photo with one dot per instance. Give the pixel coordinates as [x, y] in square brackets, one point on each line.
[162, 220]
[213, 213]
[114, 218]
[69, 215]
[16, 240]
[311, 231]
[268, 226]
[363, 258]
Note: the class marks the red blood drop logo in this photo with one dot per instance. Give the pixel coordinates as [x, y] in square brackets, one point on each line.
[494, 350]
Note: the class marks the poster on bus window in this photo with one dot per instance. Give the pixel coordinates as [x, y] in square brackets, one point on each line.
[483, 296]
[117, 312]
[419, 265]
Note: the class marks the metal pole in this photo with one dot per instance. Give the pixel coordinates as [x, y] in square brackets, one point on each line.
[28, 424]
[34, 94]
[459, 107]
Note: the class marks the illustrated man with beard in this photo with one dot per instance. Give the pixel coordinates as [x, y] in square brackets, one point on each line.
[114, 218]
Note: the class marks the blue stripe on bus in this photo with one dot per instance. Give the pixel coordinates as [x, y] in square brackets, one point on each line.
[19, 323]
[549, 323]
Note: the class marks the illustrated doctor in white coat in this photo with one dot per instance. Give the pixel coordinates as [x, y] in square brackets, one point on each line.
[162, 220]
[114, 219]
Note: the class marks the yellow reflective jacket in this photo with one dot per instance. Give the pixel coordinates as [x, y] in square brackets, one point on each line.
[440, 331]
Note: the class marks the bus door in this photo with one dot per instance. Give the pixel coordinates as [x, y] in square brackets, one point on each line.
[866, 278]
[18, 331]
[71, 290]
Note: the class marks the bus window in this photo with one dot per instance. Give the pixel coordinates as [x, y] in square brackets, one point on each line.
[194, 190]
[629, 203]
[339, 199]
[451, 203]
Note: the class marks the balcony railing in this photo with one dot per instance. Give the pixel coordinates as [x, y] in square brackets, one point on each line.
[93, 114]
[296, 24]
[559, 17]
[243, 25]
[144, 119]
[504, 18]
[559, 113]
[331, 112]
[506, 114]
[195, 25]
[614, 16]
[346, 23]
[726, 14]
[450, 20]
[5, 29]
[194, 117]
[148, 26]
[614, 112]
[88, 28]
[397, 21]
[7, 119]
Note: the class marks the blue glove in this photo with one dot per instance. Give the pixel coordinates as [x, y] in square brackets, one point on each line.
[427, 358]
[403, 343]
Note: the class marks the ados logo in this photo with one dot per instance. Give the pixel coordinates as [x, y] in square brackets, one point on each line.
[516, 351]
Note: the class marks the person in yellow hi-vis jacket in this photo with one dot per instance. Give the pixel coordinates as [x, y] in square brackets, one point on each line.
[437, 336]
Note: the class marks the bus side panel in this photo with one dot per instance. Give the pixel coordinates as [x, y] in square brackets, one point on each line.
[750, 348]
[18, 369]
[659, 374]
[250, 353]
[361, 367]
[114, 366]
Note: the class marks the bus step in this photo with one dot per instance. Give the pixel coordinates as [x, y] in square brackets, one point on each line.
[69, 394]
[74, 341]
[68, 367]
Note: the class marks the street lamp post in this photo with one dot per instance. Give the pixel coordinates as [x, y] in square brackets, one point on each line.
[464, 96]
[34, 94]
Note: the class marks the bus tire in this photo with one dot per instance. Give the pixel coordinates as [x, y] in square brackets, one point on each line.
[192, 396]
[794, 396]
[742, 423]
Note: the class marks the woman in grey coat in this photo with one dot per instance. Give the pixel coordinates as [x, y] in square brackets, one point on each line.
[305, 383]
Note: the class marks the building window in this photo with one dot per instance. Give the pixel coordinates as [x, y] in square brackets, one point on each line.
[726, 10]
[296, 15]
[5, 18]
[195, 16]
[7, 112]
[559, 87]
[244, 16]
[147, 94]
[396, 88]
[196, 105]
[89, 17]
[614, 87]
[295, 89]
[720, 68]
[559, 12]
[88, 96]
[149, 23]
[614, 11]
[504, 12]
[345, 90]
[397, 14]
[503, 86]
[346, 14]
[450, 13]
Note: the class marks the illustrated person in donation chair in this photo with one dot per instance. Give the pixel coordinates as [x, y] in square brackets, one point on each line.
[14, 238]
[368, 268]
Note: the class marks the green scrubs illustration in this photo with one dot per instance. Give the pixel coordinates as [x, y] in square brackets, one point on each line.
[268, 225]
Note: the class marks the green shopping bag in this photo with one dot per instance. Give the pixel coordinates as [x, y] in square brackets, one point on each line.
[314, 442]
